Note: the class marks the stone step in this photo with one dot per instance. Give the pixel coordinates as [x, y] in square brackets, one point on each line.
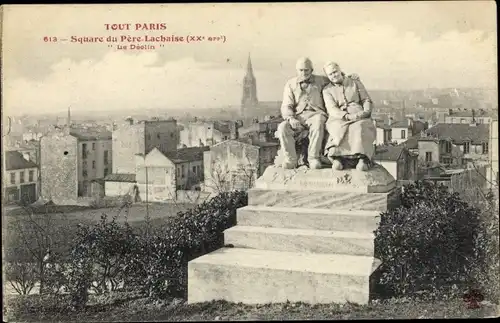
[255, 276]
[300, 240]
[308, 218]
[322, 199]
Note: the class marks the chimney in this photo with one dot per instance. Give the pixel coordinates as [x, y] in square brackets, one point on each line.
[473, 115]
[233, 128]
[450, 112]
[410, 121]
[390, 121]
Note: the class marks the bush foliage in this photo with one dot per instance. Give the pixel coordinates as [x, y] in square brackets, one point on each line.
[109, 255]
[430, 245]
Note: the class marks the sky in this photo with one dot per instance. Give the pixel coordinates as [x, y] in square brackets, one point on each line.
[391, 45]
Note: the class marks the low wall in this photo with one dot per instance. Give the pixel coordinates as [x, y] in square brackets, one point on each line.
[117, 188]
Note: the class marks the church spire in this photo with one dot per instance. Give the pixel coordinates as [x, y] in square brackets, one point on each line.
[249, 73]
[249, 98]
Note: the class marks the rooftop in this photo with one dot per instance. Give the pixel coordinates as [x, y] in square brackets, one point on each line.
[389, 153]
[129, 178]
[14, 160]
[90, 133]
[459, 132]
[468, 113]
[379, 123]
[222, 127]
[188, 154]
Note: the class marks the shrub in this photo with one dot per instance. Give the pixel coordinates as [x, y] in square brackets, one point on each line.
[153, 261]
[159, 263]
[21, 276]
[427, 245]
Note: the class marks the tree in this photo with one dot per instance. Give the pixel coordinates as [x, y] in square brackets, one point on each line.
[224, 178]
[31, 250]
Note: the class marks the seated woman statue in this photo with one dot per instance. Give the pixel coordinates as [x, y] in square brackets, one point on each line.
[351, 133]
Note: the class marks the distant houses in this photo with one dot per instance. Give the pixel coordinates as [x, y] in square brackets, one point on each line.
[398, 161]
[20, 178]
[391, 131]
[73, 163]
[452, 144]
[468, 116]
[207, 133]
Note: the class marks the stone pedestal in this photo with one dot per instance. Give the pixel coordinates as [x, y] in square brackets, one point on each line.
[306, 235]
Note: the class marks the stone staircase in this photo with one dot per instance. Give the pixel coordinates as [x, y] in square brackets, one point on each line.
[306, 235]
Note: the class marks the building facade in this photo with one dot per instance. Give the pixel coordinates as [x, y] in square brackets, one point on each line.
[207, 133]
[397, 131]
[71, 159]
[20, 179]
[160, 175]
[131, 138]
[236, 164]
[468, 116]
[398, 161]
[472, 140]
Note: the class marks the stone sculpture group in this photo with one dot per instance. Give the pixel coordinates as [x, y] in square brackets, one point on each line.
[327, 119]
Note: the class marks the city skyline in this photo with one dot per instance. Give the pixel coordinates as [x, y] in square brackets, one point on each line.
[392, 46]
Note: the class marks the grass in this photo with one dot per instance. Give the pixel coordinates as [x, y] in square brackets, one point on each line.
[128, 309]
[61, 221]
[137, 212]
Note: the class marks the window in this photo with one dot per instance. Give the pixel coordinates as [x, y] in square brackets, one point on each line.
[31, 176]
[466, 147]
[194, 169]
[182, 171]
[463, 121]
[21, 177]
[84, 164]
[84, 173]
[171, 135]
[158, 136]
[428, 156]
[225, 137]
[84, 151]
[403, 134]
[485, 147]
[106, 157]
[13, 178]
[93, 164]
[93, 146]
[106, 172]
[178, 172]
[447, 147]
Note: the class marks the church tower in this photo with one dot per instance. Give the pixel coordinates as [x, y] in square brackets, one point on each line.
[249, 98]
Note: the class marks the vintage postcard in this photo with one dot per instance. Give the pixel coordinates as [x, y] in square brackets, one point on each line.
[250, 161]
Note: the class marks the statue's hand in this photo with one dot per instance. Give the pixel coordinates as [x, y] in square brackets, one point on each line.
[351, 117]
[354, 76]
[295, 124]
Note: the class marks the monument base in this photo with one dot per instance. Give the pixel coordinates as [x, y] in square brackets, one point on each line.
[305, 236]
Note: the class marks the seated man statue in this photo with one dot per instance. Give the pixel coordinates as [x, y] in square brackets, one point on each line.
[351, 132]
[304, 112]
